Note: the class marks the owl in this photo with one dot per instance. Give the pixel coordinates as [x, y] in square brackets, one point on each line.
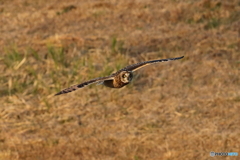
[119, 79]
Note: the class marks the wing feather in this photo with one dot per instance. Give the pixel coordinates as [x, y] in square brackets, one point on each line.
[137, 66]
[81, 85]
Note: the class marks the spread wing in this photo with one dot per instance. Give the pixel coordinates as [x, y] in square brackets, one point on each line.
[137, 66]
[81, 85]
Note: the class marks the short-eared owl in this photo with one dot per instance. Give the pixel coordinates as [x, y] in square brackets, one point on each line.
[118, 79]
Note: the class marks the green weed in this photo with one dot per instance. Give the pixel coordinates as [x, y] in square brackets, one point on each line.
[34, 53]
[58, 55]
[116, 46]
[11, 57]
[66, 9]
[212, 23]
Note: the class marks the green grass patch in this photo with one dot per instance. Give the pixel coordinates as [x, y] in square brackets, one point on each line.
[212, 23]
[116, 45]
[59, 56]
[33, 53]
[12, 56]
[66, 9]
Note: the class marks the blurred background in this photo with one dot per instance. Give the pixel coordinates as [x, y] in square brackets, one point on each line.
[181, 109]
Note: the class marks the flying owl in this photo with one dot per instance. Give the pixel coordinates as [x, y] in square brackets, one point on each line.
[116, 80]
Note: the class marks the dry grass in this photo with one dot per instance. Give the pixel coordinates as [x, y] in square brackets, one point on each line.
[177, 110]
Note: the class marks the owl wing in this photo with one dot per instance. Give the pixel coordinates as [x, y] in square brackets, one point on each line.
[81, 85]
[137, 66]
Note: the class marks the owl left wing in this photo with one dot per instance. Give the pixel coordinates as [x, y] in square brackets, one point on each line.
[137, 66]
[81, 85]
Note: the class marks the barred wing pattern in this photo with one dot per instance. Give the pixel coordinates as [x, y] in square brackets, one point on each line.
[137, 66]
[81, 85]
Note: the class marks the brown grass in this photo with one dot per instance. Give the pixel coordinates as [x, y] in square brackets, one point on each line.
[176, 110]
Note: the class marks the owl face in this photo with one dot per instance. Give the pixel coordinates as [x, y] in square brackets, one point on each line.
[126, 76]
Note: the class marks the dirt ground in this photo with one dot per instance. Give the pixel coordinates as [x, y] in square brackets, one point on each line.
[181, 109]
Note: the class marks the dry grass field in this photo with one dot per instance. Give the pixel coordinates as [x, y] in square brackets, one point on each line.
[175, 110]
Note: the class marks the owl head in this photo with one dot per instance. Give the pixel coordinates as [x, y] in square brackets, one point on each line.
[126, 76]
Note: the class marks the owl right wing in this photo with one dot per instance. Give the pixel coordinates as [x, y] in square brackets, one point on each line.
[81, 85]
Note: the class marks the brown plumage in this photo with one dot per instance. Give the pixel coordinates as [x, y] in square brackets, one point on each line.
[118, 79]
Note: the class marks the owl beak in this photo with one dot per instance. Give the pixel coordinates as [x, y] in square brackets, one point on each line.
[129, 77]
